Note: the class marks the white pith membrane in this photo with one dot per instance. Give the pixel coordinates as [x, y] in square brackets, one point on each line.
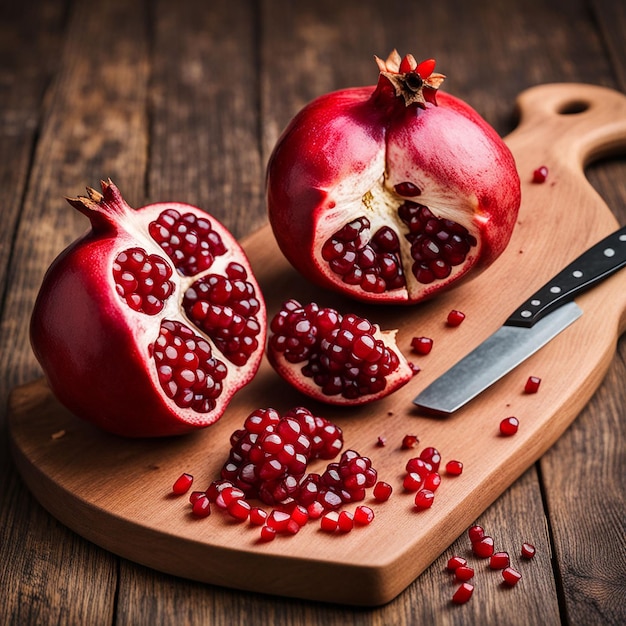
[134, 233]
[370, 193]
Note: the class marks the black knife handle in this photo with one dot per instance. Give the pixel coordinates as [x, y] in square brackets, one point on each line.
[592, 266]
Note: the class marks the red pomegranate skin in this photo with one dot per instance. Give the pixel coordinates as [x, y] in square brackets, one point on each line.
[96, 352]
[342, 156]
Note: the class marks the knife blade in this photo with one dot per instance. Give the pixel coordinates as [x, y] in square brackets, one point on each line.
[534, 323]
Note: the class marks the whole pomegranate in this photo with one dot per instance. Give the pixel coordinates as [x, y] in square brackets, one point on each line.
[393, 192]
[335, 358]
[149, 323]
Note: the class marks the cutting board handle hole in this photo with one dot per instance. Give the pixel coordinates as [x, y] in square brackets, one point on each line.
[573, 107]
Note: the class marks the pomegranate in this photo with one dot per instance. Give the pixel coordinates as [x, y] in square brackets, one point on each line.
[393, 192]
[335, 358]
[149, 323]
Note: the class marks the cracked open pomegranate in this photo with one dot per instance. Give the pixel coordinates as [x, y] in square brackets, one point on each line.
[393, 192]
[335, 358]
[149, 323]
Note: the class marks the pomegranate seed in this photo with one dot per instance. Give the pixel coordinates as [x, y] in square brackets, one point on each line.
[432, 481]
[476, 533]
[194, 495]
[239, 509]
[532, 384]
[345, 522]
[183, 484]
[258, 516]
[499, 560]
[278, 520]
[511, 576]
[540, 174]
[528, 550]
[268, 533]
[422, 345]
[363, 515]
[412, 482]
[381, 442]
[409, 442]
[454, 468]
[424, 499]
[230, 494]
[456, 561]
[464, 572]
[201, 507]
[419, 466]
[455, 317]
[463, 593]
[431, 455]
[407, 188]
[329, 521]
[483, 548]
[292, 527]
[315, 510]
[382, 491]
[509, 426]
[300, 515]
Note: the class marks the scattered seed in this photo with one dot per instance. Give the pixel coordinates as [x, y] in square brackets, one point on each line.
[454, 468]
[499, 560]
[511, 576]
[455, 318]
[476, 533]
[483, 548]
[409, 442]
[182, 484]
[422, 345]
[528, 550]
[464, 572]
[382, 491]
[509, 426]
[463, 593]
[540, 174]
[532, 384]
[424, 499]
[456, 561]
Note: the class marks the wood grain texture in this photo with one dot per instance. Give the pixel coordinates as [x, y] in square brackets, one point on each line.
[491, 51]
[372, 565]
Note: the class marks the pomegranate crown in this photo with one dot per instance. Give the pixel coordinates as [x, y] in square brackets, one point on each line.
[416, 82]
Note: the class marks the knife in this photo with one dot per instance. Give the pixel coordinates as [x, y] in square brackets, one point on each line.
[534, 323]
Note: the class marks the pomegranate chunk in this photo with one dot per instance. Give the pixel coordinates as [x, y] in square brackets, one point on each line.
[335, 358]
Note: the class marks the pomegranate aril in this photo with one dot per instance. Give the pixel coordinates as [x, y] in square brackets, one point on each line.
[463, 593]
[511, 576]
[381, 442]
[540, 174]
[432, 481]
[431, 455]
[329, 521]
[422, 345]
[382, 491]
[509, 426]
[278, 520]
[454, 468]
[363, 515]
[194, 495]
[300, 515]
[499, 560]
[345, 522]
[201, 507]
[409, 442]
[424, 499]
[455, 318]
[268, 533]
[315, 510]
[528, 550]
[532, 384]
[483, 548]
[239, 509]
[230, 494]
[258, 516]
[463, 572]
[407, 189]
[455, 562]
[476, 533]
[182, 484]
[419, 466]
[412, 482]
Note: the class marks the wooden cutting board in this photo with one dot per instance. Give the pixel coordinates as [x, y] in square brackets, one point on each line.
[116, 493]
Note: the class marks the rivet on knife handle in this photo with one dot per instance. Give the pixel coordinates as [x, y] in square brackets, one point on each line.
[598, 262]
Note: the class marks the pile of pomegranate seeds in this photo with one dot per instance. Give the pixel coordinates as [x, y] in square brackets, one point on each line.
[455, 318]
[540, 174]
[532, 384]
[509, 426]
[422, 345]
[483, 547]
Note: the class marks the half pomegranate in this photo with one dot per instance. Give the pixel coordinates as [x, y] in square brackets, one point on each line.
[335, 358]
[149, 323]
[393, 192]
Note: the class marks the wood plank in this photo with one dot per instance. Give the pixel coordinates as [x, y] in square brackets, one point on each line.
[92, 125]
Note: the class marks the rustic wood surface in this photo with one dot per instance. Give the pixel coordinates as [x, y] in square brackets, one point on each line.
[185, 100]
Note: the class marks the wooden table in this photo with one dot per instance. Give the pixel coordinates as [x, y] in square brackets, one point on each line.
[184, 100]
